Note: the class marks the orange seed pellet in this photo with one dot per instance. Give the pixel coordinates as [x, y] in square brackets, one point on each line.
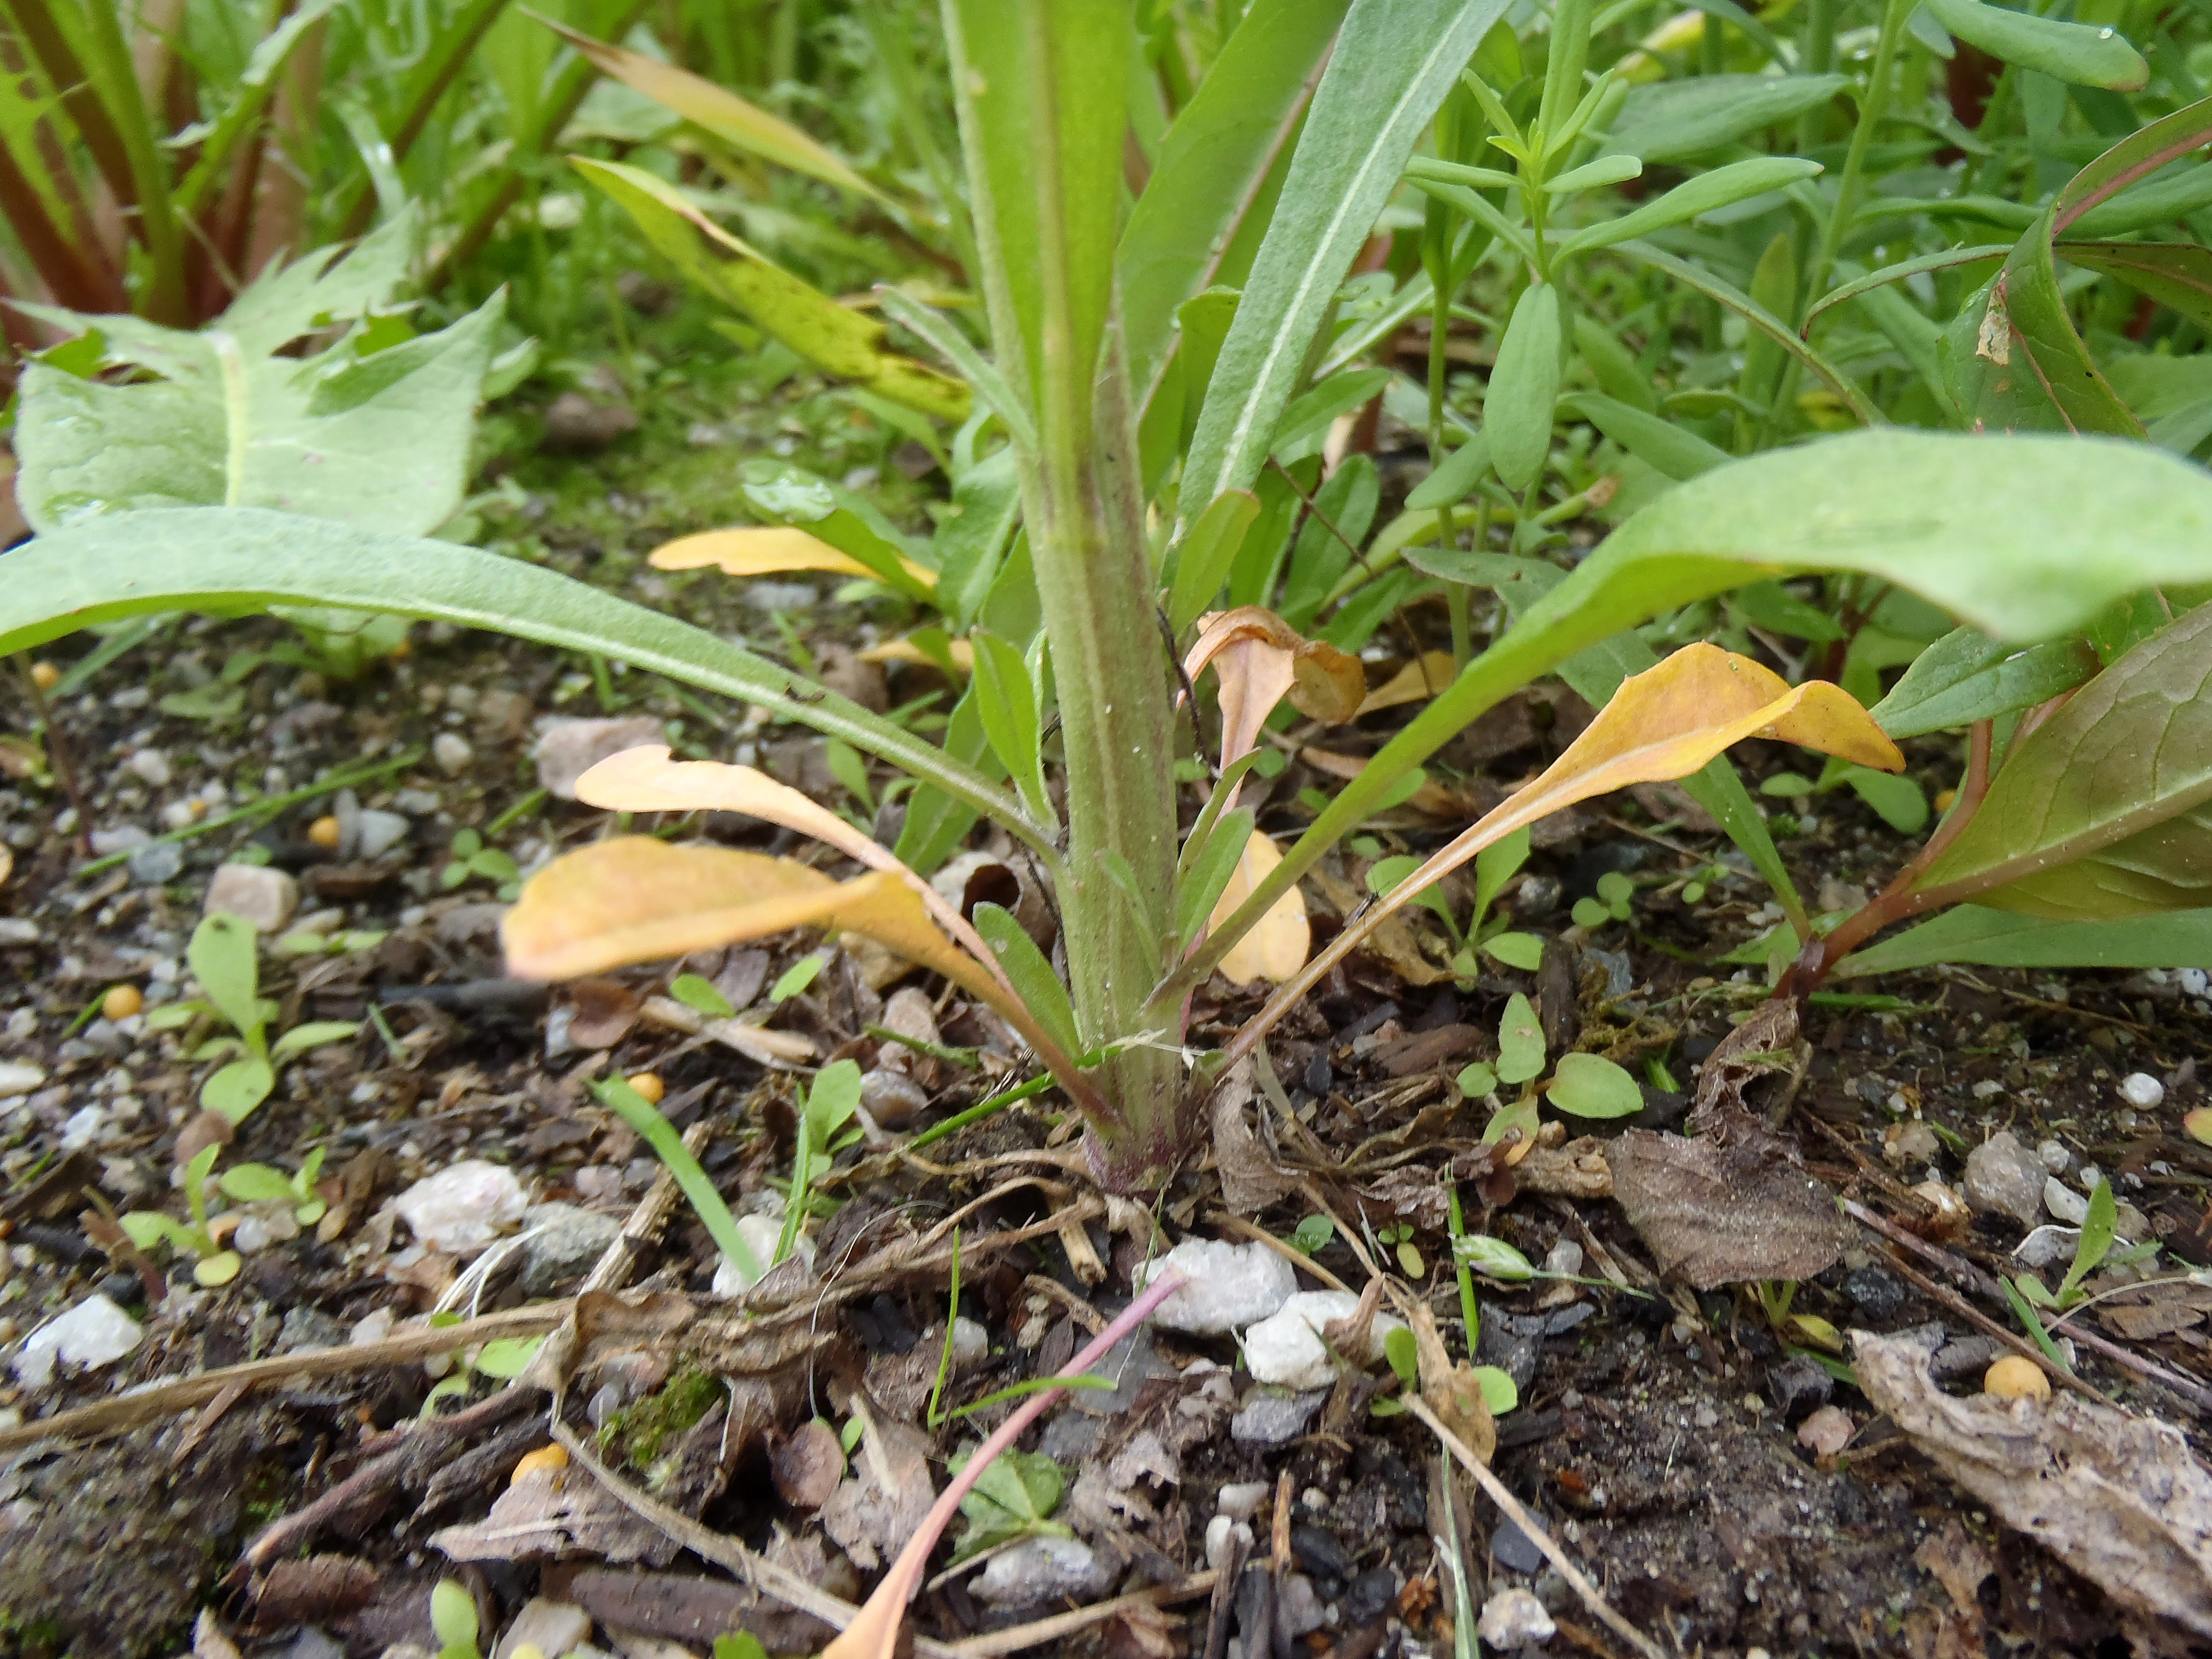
[121, 1001]
[324, 832]
[649, 1086]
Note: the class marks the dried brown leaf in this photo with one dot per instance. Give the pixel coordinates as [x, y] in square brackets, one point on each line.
[1251, 1178]
[553, 1513]
[1276, 945]
[2118, 1498]
[887, 1497]
[1450, 1390]
[314, 1590]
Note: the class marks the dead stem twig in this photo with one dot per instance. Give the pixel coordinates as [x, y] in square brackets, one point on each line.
[1592, 1598]
[181, 1393]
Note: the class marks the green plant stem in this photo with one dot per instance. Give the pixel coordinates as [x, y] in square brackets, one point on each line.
[980, 1110]
[1469, 1309]
[1852, 185]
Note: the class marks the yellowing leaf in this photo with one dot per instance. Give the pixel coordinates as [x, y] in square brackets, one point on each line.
[1276, 947]
[647, 779]
[1259, 659]
[722, 112]
[1664, 723]
[836, 339]
[962, 652]
[1416, 682]
[767, 550]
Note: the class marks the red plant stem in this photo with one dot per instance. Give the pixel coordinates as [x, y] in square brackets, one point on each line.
[888, 1602]
[1897, 901]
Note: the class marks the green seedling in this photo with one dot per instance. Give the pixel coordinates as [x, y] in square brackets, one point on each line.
[1312, 1235]
[1614, 902]
[256, 1183]
[473, 860]
[796, 978]
[701, 997]
[1493, 1258]
[454, 1618]
[1011, 1500]
[222, 956]
[1897, 800]
[825, 1127]
[1399, 1238]
[212, 1264]
[1775, 1296]
[2092, 1250]
[1581, 1086]
[502, 1359]
[657, 1132]
[1485, 935]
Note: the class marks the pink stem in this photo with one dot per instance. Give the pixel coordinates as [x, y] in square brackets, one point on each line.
[891, 1595]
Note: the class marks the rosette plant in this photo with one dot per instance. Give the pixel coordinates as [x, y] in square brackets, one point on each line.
[1149, 364]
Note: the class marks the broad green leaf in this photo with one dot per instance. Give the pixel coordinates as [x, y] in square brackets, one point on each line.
[206, 557]
[1035, 982]
[1520, 1041]
[1205, 553]
[1478, 1079]
[1773, 286]
[1454, 480]
[1522, 950]
[453, 1614]
[221, 955]
[1590, 1085]
[1214, 183]
[1392, 66]
[2000, 939]
[2013, 357]
[2087, 55]
[381, 441]
[971, 545]
[256, 1183]
[831, 1100]
[838, 341]
[2177, 275]
[2106, 809]
[1008, 705]
[1307, 420]
[1606, 170]
[1897, 800]
[236, 1089]
[1494, 866]
[1524, 387]
[1967, 676]
[1658, 442]
[1685, 120]
[1736, 182]
[728, 117]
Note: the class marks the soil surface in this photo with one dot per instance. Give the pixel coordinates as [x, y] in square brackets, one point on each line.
[1695, 1453]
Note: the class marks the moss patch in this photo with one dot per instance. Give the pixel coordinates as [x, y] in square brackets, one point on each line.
[638, 1434]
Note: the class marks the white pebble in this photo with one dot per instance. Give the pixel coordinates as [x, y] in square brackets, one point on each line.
[1241, 1499]
[152, 766]
[1987, 1089]
[1286, 1349]
[452, 753]
[2054, 1156]
[463, 1207]
[971, 1343]
[92, 1334]
[1512, 1618]
[16, 1078]
[1230, 1286]
[2063, 1201]
[2142, 1090]
[250, 1235]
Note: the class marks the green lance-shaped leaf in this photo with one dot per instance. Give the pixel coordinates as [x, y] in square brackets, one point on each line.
[1673, 121]
[1656, 441]
[2106, 809]
[836, 340]
[1393, 63]
[1008, 705]
[216, 558]
[2177, 275]
[2000, 939]
[1220, 168]
[1034, 980]
[1739, 181]
[1524, 388]
[1208, 551]
[2085, 54]
[1967, 676]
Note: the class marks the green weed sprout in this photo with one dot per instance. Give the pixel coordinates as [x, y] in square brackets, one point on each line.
[213, 1265]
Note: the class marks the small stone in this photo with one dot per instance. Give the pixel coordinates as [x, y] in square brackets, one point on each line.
[554, 1628]
[2194, 981]
[452, 752]
[2047, 1246]
[2003, 1176]
[971, 1343]
[2054, 1156]
[891, 1098]
[2016, 1377]
[1911, 1143]
[157, 864]
[761, 1235]
[2142, 1090]
[575, 425]
[305, 1328]
[123, 838]
[567, 748]
[463, 1207]
[18, 1078]
[1798, 1386]
[1274, 1419]
[1513, 1618]
[562, 1243]
[1513, 1549]
[1039, 1570]
[1297, 1607]
[1285, 1349]
[1219, 1532]
[151, 766]
[251, 1235]
[1878, 1294]
[1230, 1286]
[257, 895]
[502, 716]
[2064, 1202]
[93, 1333]
[83, 1128]
[1826, 1432]
[376, 833]
[1240, 1500]
[18, 930]
[1564, 1258]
